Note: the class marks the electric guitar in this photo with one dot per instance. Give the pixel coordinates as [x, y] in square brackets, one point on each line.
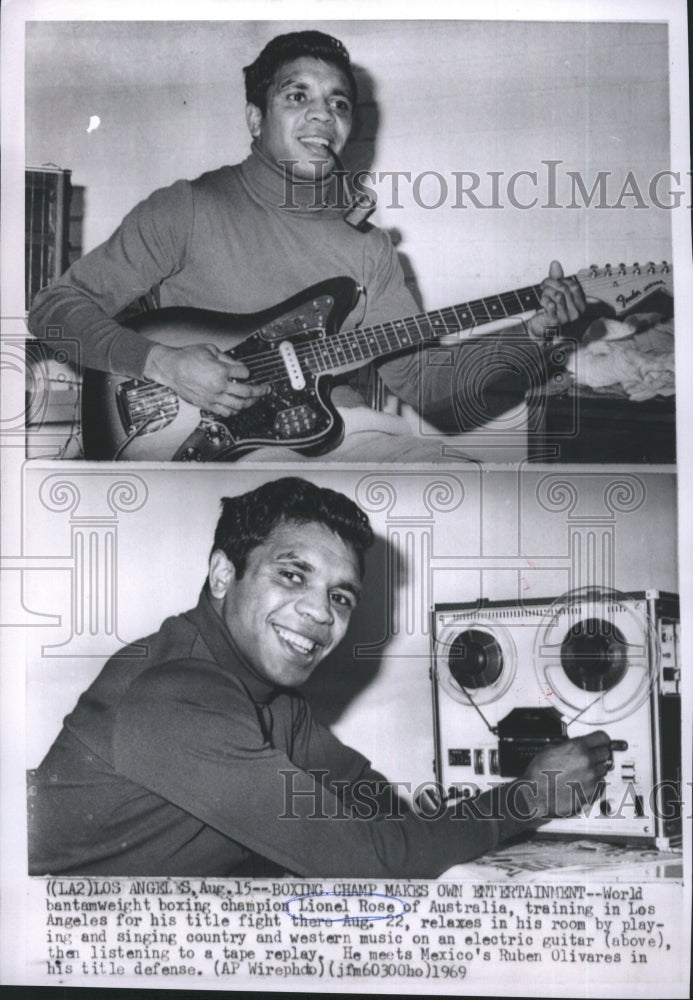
[294, 347]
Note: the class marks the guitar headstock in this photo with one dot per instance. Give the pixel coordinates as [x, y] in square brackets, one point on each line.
[624, 286]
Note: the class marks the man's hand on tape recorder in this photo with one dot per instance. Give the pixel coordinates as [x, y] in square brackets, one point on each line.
[566, 773]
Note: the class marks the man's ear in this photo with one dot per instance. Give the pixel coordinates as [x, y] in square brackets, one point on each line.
[221, 574]
[253, 117]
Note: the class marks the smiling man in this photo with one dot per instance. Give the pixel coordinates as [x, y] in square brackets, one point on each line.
[303, 114]
[200, 757]
[245, 238]
[291, 604]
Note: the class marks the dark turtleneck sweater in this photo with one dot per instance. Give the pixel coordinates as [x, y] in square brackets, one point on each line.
[178, 758]
[243, 238]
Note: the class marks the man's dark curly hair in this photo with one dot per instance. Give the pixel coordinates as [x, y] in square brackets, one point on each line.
[247, 520]
[286, 48]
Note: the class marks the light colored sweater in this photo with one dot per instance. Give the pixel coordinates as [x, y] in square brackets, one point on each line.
[243, 238]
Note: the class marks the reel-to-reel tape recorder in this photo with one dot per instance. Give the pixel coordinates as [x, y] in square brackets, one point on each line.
[510, 678]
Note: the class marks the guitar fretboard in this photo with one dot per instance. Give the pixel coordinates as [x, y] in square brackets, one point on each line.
[618, 288]
[349, 346]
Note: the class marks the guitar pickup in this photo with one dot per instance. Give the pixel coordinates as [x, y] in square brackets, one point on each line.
[292, 365]
[297, 421]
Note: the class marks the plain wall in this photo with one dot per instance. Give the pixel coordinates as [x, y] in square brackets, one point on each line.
[438, 96]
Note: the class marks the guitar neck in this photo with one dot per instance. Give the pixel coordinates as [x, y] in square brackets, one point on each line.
[618, 289]
[344, 348]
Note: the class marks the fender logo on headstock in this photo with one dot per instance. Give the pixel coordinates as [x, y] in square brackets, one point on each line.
[625, 299]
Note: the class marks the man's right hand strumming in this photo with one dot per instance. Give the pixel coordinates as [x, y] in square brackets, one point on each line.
[204, 376]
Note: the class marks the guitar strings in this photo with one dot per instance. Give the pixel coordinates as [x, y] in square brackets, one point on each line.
[593, 285]
[266, 367]
[341, 339]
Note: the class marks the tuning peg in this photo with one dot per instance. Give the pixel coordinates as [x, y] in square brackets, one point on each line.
[621, 268]
[636, 268]
[665, 267]
[650, 267]
[607, 269]
[594, 270]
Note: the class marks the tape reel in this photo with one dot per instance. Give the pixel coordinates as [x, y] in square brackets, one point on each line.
[596, 653]
[475, 663]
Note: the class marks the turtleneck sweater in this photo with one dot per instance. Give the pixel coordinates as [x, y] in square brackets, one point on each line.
[244, 238]
[238, 239]
[181, 759]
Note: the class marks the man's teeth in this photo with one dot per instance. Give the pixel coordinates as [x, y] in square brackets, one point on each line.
[315, 140]
[299, 642]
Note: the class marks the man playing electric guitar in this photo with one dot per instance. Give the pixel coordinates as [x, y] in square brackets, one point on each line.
[243, 238]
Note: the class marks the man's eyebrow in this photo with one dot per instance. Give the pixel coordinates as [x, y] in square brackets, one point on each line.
[293, 557]
[341, 92]
[291, 81]
[351, 589]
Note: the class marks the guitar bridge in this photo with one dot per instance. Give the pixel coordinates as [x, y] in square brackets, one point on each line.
[145, 407]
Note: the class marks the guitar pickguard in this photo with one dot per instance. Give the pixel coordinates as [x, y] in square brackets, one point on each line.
[302, 419]
[311, 314]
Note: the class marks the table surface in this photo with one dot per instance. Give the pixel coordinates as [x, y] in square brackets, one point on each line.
[543, 859]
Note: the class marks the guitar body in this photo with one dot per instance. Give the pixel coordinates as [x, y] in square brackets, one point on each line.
[139, 420]
[294, 348]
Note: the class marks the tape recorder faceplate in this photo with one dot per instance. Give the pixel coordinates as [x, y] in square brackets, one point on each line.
[511, 678]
